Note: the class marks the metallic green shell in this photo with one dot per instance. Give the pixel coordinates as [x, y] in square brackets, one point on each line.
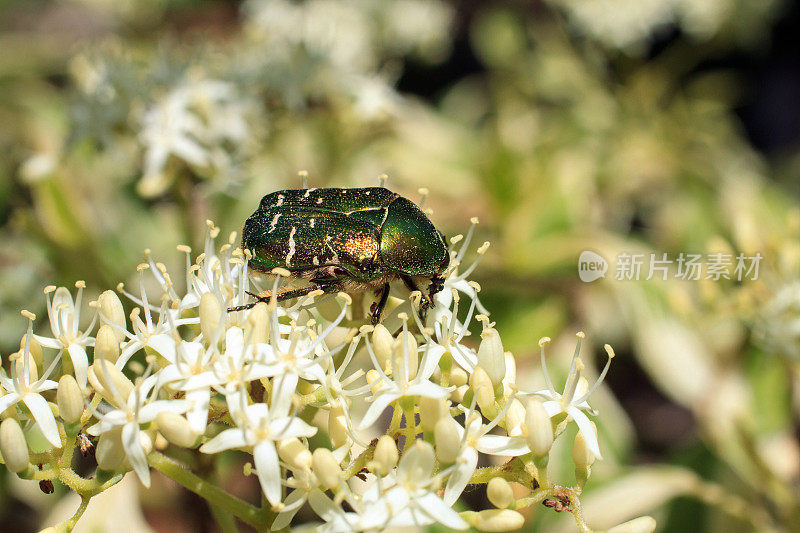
[410, 243]
[364, 233]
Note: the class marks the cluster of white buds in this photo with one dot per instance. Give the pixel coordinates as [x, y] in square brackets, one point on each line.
[407, 407]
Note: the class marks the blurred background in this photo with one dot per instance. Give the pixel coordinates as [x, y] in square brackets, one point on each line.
[617, 126]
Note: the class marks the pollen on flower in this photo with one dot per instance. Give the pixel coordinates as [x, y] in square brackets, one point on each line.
[27, 314]
[484, 247]
[473, 220]
[543, 341]
[609, 350]
[278, 271]
[345, 297]
[184, 249]
[80, 284]
[49, 289]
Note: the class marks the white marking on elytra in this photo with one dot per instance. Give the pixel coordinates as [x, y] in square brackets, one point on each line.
[274, 222]
[291, 246]
[315, 260]
[312, 222]
[308, 191]
[280, 201]
[335, 258]
[319, 200]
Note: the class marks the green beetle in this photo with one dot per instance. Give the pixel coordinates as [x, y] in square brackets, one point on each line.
[346, 239]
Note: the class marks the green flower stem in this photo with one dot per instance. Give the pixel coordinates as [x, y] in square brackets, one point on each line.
[565, 494]
[317, 396]
[86, 487]
[67, 449]
[217, 497]
[411, 427]
[361, 461]
[224, 520]
[394, 427]
[541, 469]
[513, 470]
[69, 524]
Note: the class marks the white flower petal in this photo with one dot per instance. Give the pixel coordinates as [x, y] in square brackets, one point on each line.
[431, 505]
[80, 362]
[284, 387]
[133, 450]
[228, 439]
[269, 471]
[587, 430]
[377, 406]
[459, 477]
[293, 502]
[44, 417]
[8, 400]
[289, 427]
[427, 389]
[500, 445]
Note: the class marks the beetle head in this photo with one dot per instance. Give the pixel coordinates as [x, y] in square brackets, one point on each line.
[410, 243]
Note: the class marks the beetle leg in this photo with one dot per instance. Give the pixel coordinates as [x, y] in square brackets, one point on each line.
[285, 295]
[412, 286]
[376, 309]
[427, 301]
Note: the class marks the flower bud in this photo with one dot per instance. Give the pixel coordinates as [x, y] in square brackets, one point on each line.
[643, 524]
[106, 344]
[109, 452]
[583, 460]
[33, 371]
[210, 316]
[515, 419]
[385, 456]
[447, 436]
[418, 460]
[499, 492]
[13, 446]
[540, 430]
[35, 349]
[399, 357]
[114, 386]
[491, 356]
[382, 342]
[431, 410]
[482, 386]
[337, 428]
[294, 453]
[176, 429]
[70, 399]
[258, 323]
[326, 468]
[496, 520]
[112, 311]
[458, 376]
[511, 368]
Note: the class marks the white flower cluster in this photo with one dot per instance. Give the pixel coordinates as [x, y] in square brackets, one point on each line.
[306, 388]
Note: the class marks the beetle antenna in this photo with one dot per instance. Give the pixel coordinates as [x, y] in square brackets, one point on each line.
[382, 180]
[304, 178]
